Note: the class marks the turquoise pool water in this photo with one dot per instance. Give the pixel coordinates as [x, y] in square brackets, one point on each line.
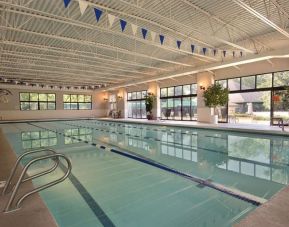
[110, 189]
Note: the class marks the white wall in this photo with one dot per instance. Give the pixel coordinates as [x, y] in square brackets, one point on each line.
[11, 110]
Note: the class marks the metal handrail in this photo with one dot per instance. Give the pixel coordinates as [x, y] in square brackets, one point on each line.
[12, 173]
[20, 180]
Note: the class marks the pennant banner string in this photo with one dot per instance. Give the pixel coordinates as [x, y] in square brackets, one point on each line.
[98, 14]
[83, 4]
[122, 24]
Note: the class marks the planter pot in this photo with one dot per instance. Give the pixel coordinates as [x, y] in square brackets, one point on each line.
[149, 116]
[214, 119]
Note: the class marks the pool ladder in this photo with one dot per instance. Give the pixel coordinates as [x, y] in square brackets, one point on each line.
[53, 156]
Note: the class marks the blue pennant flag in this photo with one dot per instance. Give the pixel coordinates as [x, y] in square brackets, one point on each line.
[144, 32]
[241, 54]
[193, 48]
[224, 53]
[162, 38]
[122, 24]
[179, 44]
[98, 13]
[66, 3]
[204, 50]
[215, 52]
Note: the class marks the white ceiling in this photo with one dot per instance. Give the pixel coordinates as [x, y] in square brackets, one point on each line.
[43, 42]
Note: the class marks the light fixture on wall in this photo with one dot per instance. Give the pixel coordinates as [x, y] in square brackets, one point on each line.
[119, 97]
[202, 87]
[105, 99]
[150, 93]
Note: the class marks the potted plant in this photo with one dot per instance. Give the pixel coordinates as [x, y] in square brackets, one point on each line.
[214, 97]
[149, 102]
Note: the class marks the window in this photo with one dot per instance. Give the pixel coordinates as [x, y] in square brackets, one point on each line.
[234, 84]
[38, 139]
[179, 102]
[248, 82]
[251, 97]
[37, 101]
[136, 104]
[164, 92]
[223, 83]
[264, 80]
[77, 102]
[186, 89]
[281, 79]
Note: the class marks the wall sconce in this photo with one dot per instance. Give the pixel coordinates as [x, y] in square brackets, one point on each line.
[119, 97]
[202, 87]
[105, 99]
[150, 93]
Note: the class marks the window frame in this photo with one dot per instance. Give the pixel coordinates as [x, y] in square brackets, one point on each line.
[271, 88]
[136, 101]
[76, 102]
[38, 102]
[167, 97]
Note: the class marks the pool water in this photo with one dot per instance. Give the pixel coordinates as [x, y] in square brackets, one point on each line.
[109, 189]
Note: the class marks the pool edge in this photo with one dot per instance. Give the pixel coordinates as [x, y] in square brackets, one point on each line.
[34, 211]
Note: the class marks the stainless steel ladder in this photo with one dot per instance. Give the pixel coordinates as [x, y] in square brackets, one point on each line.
[53, 156]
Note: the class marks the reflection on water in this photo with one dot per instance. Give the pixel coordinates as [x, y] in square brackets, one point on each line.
[256, 164]
[78, 134]
[37, 139]
[230, 158]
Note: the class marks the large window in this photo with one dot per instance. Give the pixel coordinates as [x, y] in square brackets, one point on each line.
[136, 104]
[37, 101]
[255, 99]
[77, 102]
[179, 102]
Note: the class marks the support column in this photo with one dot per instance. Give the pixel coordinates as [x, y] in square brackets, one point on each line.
[154, 88]
[121, 96]
[204, 79]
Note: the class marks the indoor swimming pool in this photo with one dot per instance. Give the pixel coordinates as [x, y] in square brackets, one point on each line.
[127, 174]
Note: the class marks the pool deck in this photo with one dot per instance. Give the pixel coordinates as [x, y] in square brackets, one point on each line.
[34, 212]
[254, 128]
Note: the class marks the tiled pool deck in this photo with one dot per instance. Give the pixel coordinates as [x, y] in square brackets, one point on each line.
[34, 212]
[258, 128]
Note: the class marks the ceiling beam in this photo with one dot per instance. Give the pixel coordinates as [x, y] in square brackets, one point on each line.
[38, 57]
[187, 27]
[94, 44]
[22, 76]
[276, 54]
[77, 54]
[261, 17]
[70, 21]
[83, 73]
[138, 18]
[60, 74]
[223, 23]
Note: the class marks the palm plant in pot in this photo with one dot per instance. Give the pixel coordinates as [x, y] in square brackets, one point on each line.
[149, 102]
[214, 97]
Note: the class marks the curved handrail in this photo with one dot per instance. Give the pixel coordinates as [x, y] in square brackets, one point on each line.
[20, 200]
[31, 177]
